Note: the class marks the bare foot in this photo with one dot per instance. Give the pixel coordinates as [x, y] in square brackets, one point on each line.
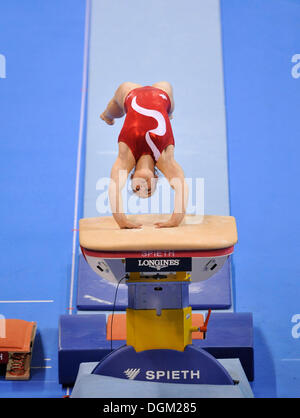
[106, 119]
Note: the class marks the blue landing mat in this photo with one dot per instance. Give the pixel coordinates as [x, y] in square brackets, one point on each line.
[97, 294]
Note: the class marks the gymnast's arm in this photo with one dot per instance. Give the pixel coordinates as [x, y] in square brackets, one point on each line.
[118, 178]
[175, 175]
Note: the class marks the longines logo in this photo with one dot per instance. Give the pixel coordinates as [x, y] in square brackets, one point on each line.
[158, 264]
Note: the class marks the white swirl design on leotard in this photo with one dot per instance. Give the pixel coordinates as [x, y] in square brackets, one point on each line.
[160, 130]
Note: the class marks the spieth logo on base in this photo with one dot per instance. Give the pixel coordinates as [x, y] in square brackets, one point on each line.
[164, 374]
[132, 373]
[150, 264]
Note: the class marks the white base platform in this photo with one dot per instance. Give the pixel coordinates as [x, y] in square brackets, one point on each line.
[88, 385]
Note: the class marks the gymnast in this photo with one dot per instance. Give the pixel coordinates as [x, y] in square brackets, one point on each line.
[145, 143]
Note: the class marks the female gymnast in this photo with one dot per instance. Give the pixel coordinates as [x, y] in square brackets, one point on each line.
[145, 142]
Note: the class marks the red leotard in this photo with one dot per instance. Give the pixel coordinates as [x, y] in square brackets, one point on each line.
[147, 128]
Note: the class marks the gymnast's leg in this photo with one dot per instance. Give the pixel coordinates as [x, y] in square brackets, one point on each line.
[167, 87]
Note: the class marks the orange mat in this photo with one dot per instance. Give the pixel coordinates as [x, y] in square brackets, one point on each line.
[16, 344]
[18, 335]
[118, 325]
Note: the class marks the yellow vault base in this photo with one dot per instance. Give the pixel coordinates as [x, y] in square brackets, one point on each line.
[172, 329]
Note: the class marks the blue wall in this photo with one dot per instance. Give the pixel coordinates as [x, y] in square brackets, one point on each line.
[263, 101]
[42, 42]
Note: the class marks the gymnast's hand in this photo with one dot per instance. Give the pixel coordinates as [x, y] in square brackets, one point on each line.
[174, 221]
[167, 224]
[127, 224]
[171, 223]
